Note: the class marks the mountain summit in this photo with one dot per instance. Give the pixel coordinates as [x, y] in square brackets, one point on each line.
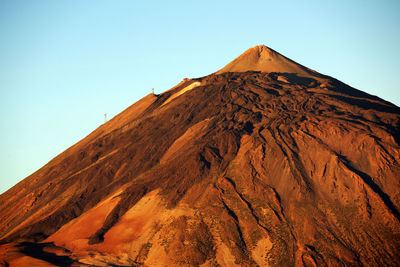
[264, 59]
[263, 163]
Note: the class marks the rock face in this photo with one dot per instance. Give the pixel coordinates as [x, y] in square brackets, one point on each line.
[264, 162]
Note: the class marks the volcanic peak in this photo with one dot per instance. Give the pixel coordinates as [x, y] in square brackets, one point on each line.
[264, 59]
[238, 169]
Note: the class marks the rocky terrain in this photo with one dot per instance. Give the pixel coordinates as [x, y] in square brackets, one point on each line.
[263, 163]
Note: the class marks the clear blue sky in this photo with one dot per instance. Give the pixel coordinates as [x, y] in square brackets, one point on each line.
[63, 64]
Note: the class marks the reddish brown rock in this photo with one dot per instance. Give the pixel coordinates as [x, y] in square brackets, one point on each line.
[263, 163]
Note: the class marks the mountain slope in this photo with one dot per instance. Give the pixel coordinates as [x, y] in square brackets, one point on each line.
[257, 164]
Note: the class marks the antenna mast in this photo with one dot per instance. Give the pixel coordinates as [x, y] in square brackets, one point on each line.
[105, 117]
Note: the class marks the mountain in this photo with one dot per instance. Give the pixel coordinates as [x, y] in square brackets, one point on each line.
[264, 162]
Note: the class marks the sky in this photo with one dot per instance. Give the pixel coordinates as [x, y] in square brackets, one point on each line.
[63, 64]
